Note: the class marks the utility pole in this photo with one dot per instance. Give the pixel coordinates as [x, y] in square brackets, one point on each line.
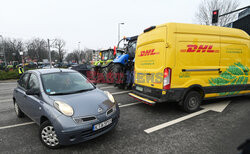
[79, 49]
[119, 30]
[50, 63]
[3, 51]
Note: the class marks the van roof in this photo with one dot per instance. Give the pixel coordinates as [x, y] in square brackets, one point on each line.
[207, 30]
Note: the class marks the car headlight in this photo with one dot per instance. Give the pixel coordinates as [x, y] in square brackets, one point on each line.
[64, 108]
[110, 96]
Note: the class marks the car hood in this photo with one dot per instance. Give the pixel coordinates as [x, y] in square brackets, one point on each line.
[86, 103]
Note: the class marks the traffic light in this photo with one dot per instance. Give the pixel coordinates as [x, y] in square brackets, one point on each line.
[215, 16]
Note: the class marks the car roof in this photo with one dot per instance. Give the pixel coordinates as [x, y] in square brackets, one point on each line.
[52, 70]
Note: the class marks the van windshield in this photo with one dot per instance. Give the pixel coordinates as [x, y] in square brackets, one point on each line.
[61, 83]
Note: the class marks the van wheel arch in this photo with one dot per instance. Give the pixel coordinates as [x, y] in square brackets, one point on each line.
[197, 88]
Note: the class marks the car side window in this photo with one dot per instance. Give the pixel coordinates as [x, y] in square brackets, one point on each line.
[24, 80]
[33, 82]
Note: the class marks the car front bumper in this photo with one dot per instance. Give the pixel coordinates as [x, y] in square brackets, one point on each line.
[83, 132]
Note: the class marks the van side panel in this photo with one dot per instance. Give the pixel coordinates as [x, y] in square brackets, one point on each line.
[198, 58]
[234, 67]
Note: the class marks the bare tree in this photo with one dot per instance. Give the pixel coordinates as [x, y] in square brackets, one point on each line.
[59, 45]
[13, 47]
[206, 7]
[54, 55]
[37, 49]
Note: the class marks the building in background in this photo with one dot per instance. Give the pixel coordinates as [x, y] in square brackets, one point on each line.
[242, 22]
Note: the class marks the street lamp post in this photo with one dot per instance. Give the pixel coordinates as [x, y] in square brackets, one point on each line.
[50, 62]
[119, 30]
[3, 51]
[79, 49]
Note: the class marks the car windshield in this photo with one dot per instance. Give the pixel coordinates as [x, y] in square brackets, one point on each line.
[65, 83]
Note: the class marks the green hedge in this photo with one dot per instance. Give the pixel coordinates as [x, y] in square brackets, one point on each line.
[12, 74]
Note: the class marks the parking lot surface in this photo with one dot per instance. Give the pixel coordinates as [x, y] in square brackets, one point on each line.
[208, 131]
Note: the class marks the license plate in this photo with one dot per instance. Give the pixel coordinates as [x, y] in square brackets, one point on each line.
[139, 88]
[102, 124]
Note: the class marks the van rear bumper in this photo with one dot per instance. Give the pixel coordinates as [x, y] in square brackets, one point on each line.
[172, 95]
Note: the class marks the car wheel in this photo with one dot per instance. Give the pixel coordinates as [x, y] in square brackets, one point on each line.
[192, 102]
[18, 111]
[48, 135]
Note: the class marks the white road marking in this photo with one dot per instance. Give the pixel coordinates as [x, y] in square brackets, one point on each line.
[217, 107]
[106, 87]
[158, 127]
[125, 105]
[8, 83]
[6, 110]
[121, 92]
[17, 125]
[5, 100]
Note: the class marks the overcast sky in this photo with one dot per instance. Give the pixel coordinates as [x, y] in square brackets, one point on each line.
[94, 23]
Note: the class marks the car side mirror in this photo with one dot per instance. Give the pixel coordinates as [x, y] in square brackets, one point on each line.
[33, 92]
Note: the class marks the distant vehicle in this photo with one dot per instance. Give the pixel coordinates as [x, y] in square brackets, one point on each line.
[67, 107]
[47, 67]
[82, 68]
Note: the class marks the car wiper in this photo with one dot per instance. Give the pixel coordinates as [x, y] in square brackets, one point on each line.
[83, 90]
[73, 92]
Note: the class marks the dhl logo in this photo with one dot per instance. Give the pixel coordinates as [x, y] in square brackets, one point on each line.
[148, 53]
[201, 48]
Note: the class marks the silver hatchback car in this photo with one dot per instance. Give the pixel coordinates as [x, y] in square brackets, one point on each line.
[67, 107]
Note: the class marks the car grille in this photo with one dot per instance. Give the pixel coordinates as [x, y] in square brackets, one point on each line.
[84, 119]
[110, 111]
[90, 132]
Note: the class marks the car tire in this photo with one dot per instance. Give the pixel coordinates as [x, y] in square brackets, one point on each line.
[48, 135]
[192, 101]
[18, 111]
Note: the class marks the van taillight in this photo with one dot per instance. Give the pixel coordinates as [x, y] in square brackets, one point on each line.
[167, 78]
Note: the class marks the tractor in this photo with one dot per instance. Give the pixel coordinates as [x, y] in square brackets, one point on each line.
[101, 67]
[122, 67]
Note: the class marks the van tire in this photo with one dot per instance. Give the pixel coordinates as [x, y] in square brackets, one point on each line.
[192, 101]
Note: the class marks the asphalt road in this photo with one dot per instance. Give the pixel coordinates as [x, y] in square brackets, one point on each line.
[210, 132]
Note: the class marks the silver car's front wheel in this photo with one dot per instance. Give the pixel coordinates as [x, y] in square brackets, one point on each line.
[48, 135]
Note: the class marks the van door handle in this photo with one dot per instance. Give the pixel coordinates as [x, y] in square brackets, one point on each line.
[148, 73]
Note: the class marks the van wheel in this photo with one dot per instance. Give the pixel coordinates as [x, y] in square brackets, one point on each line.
[192, 102]
[48, 135]
[18, 111]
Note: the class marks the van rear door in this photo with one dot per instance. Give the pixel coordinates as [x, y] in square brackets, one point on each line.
[150, 57]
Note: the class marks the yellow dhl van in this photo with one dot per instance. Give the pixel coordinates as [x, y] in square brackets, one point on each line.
[186, 63]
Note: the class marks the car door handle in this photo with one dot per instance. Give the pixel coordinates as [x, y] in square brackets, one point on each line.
[25, 96]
